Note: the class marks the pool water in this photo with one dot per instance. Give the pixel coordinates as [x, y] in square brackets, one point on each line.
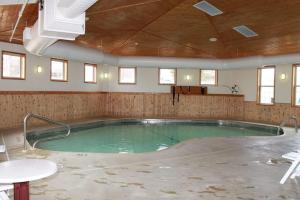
[139, 138]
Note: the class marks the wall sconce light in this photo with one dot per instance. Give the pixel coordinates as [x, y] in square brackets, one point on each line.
[39, 69]
[104, 76]
[282, 76]
[188, 77]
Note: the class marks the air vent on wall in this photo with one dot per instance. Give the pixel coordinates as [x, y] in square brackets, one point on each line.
[245, 31]
[208, 8]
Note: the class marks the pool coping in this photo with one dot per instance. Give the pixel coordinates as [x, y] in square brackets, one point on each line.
[153, 121]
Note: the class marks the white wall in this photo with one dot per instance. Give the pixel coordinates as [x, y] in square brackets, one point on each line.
[283, 88]
[147, 79]
[41, 81]
[246, 79]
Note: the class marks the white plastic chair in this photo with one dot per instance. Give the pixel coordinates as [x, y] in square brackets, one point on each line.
[2, 148]
[294, 169]
[4, 191]
[4, 188]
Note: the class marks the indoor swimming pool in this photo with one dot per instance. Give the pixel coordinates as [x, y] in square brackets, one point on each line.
[139, 136]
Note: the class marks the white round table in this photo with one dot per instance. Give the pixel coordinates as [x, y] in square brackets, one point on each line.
[21, 172]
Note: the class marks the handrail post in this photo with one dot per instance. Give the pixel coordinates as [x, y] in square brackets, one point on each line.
[30, 115]
[294, 117]
[25, 130]
[296, 122]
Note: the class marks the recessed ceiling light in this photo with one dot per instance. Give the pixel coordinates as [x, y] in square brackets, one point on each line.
[208, 8]
[245, 31]
[213, 39]
[136, 43]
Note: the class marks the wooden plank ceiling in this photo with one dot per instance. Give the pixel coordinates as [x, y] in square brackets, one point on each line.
[176, 28]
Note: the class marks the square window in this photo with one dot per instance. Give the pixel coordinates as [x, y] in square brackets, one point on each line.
[208, 77]
[13, 65]
[167, 76]
[127, 75]
[90, 71]
[59, 70]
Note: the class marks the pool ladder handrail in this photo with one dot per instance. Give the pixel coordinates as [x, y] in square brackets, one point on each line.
[50, 121]
[287, 120]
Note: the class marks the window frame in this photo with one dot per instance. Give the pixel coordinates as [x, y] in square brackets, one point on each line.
[216, 78]
[127, 83]
[21, 55]
[258, 89]
[294, 86]
[175, 77]
[65, 62]
[95, 73]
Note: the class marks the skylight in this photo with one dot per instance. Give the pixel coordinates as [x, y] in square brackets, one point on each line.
[208, 8]
[245, 31]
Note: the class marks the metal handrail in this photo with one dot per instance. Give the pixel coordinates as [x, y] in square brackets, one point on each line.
[285, 121]
[50, 121]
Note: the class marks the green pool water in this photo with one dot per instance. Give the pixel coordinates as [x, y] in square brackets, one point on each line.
[139, 138]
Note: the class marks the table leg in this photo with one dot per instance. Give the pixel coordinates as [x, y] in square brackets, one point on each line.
[21, 191]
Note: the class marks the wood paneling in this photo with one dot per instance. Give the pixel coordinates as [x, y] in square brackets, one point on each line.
[77, 105]
[269, 114]
[68, 106]
[160, 106]
[176, 28]
[60, 106]
[8, 18]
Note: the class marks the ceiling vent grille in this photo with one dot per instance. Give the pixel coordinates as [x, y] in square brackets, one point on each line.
[208, 8]
[245, 31]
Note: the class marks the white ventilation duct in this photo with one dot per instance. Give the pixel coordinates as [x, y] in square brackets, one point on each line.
[67, 50]
[55, 22]
[15, 2]
[73, 8]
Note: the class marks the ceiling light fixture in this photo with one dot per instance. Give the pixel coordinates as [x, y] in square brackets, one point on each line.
[208, 8]
[213, 39]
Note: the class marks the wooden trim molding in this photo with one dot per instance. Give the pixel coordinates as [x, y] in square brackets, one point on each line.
[22, 67]
[95, 73]
[175, 77]
[65, 63]
[294, 86]
[100, 92]
[46, 92]
[125, 83]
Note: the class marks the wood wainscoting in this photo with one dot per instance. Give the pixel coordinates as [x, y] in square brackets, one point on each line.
[68, 106]
[159, 105]
[272, 114]
[56, 105]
